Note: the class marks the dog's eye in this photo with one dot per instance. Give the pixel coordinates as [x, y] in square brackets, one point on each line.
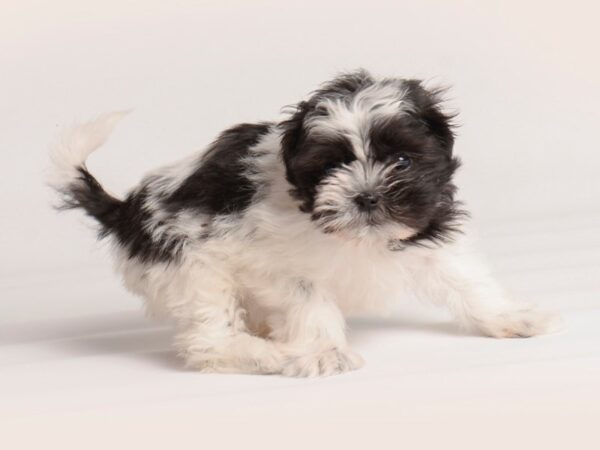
[403, 162]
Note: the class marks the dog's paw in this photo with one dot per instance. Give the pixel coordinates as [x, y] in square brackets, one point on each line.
[521, 323]
[251, 359]
[325, 363]
[266, 365]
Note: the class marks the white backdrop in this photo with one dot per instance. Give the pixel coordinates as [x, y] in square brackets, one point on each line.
[74, 347]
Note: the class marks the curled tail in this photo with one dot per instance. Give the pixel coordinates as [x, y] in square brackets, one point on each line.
[70, 177]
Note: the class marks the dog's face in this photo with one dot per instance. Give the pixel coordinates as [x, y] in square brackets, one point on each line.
[368, 156]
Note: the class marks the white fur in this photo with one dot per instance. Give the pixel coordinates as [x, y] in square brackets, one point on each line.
[269, 292]
[353, 119]
[75, 144]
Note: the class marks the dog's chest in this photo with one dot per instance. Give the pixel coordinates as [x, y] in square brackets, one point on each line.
[360, 277]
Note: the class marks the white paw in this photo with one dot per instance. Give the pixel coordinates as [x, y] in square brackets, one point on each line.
[325, 363]
[521, 323]
[265, 362]
[263, 366]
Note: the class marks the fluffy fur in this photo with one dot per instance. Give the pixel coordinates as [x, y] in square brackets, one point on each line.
[260, 246]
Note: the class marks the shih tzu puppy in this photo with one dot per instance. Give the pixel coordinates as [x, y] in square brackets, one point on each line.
[260, 246]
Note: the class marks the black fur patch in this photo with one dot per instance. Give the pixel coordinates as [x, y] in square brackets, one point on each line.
[126, 220]
[423, 191]
[132, 232]
[88, 194]
[315, 160]
[219, 185]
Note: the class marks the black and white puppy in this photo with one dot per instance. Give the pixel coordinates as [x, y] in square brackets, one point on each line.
[260, 246]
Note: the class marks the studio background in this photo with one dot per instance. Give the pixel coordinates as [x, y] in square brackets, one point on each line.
[522, 74]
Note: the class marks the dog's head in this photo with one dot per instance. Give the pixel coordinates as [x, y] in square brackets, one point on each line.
[371, 156]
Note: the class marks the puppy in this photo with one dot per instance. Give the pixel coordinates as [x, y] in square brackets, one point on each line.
[260, 246]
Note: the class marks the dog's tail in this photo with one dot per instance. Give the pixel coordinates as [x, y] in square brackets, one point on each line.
[69, 176]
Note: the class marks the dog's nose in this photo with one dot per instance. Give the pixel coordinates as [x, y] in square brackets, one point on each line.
[366, 202]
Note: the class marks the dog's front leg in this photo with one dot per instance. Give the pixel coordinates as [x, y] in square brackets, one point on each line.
[463, 283]
[311, 330]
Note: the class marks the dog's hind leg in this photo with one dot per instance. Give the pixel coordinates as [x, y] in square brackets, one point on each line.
[225, 348]
[211, 332]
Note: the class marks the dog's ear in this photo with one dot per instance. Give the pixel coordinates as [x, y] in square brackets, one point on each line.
[428, 104]
[292, 135]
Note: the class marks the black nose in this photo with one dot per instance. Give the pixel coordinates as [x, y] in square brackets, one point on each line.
[366, 202]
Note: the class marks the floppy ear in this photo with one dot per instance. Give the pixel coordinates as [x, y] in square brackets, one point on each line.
[292, 136]
[428, 104]
[440, 124]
